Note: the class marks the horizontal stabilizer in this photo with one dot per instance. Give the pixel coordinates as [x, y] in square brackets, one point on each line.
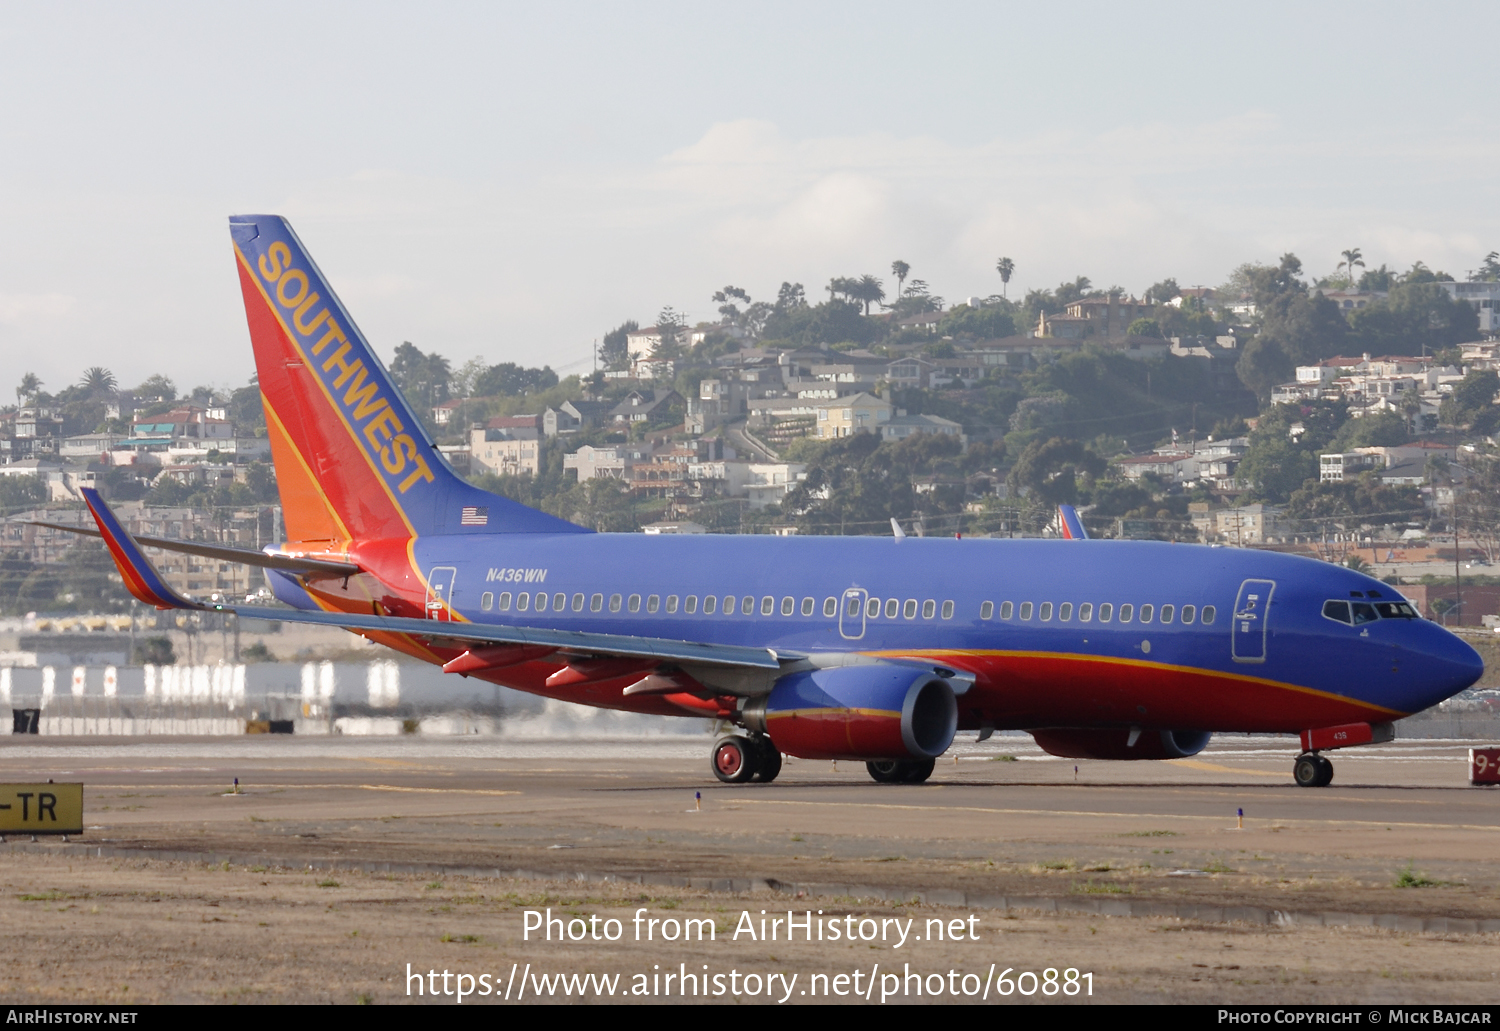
[265, 560]
[140, 576]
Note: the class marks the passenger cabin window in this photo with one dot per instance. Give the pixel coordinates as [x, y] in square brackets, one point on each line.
[653, 603]
[1146, 612]
[505, 601]
[1126, 611]
[947, 610]
[728, 604]
[559, 602]
[852, 608]
[830, 607]
[1337, 610]
[1025, 610]
[1208, 615]
[788, 606]
[1006, 609]
[1106, 611]
[987, 610]
[747, 606]
[541, 601]
[872, 608]
[672, 602]
[807, 606]
[909, 610]
[767, 605]
[690, 605]
[1046, 612]
[577, 603]
[1188, 612]
[1167, 611]
[1065, 611]
[710, 603]
[614, 602]
[596, 603]
[892, 608]
[929, 609]
[487, 600]
[634, 605]
[1085, 612]
[523, 602]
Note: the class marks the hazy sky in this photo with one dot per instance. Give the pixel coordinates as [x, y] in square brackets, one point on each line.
[511, 180]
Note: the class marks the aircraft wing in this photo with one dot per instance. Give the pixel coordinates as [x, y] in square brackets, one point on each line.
[146, 584]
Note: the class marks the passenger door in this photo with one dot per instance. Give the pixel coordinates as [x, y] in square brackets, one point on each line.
[1252, 610]
[440, 592]
[852, 613]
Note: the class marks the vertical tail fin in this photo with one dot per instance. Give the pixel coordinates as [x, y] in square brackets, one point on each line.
[352, 459]
[1071, 525]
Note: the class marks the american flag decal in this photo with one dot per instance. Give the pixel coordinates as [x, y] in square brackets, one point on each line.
[474, 516]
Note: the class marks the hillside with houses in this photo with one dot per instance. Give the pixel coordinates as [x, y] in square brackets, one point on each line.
[1349, 416]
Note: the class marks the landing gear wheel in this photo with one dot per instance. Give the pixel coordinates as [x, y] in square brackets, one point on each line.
[768, 763]
[735, 759]
[886, 771]
[1312, 771]
[918, 771]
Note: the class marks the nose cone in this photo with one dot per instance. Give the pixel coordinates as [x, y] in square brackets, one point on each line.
[1445, 665]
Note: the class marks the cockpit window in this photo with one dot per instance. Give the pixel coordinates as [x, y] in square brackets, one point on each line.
[1338, 610]
[1396, 610]
[1364, 612]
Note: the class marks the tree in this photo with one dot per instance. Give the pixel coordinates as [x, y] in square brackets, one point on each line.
[1050, 469]
[899, 269]
[1472, 396]
[28, 388]
[1161, 293]
[1489, 271]
[985, 323]
[511, 380]
[728, 310]
[156, 388]
[1006, 268]
[1352, 257]
[868, 290]
[1144, 328]
[97, 380]
[614, 351]
[670, 345]
[422, 378]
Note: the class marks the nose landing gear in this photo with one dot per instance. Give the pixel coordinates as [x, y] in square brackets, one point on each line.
[738, 759]
[1312, 771]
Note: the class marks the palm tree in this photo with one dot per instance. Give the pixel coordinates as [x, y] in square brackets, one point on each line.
[899, 269]
[29, 387]
[1352, 257]
[1006, 268]
[870, 291]
[98, 380]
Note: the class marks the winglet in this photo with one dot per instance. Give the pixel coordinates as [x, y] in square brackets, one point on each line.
[1072, 526]
[900, 533]
[141, 578]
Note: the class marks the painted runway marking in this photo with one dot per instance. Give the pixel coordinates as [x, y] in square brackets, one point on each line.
[1278, 821]
[1212, 768]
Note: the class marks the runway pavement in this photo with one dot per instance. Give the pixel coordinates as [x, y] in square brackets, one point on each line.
[999, 815]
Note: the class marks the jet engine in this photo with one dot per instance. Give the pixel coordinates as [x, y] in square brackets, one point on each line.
[1122, 743]
[858, 712]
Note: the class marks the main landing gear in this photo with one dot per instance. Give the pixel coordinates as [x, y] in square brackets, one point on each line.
[738, 759]
[900, 771]
[1312, 771]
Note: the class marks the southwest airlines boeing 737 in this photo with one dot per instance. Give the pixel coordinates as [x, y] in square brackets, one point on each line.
[862, 648]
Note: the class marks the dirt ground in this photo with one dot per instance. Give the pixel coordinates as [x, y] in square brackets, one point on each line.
[87, 930]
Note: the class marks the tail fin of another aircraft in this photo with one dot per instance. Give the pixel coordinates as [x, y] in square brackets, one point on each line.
[352, 459]
[1071, 525]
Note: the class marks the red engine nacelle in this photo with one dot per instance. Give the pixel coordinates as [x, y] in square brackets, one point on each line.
[1116, 744]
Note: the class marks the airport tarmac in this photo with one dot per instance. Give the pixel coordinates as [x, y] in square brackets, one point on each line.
[1399, 837]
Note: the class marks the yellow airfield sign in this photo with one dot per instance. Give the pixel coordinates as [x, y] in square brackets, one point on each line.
[41, 808]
